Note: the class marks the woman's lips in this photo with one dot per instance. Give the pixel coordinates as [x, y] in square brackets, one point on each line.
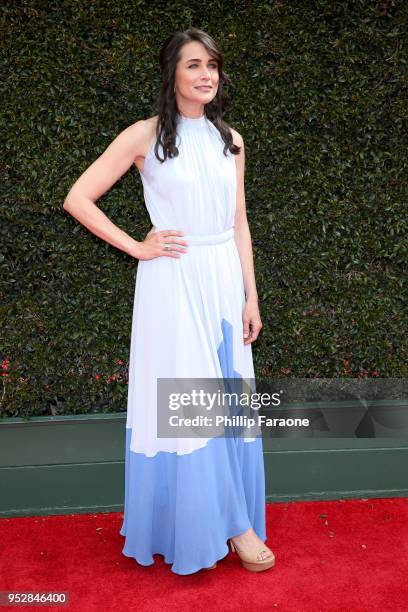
[204, 87]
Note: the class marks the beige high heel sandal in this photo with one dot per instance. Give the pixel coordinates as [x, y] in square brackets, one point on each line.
[249, 559]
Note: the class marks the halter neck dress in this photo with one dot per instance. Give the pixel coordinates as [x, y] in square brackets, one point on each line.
[184, 497]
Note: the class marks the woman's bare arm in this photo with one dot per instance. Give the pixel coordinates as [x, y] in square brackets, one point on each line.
[242, 233]
[252, 323]
[99, 177]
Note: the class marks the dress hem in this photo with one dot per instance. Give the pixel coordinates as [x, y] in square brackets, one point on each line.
[219, 557]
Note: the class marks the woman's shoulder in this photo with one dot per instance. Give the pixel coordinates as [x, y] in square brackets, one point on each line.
[144, 127]
[148, 124]
[142, 133]
[236, 137]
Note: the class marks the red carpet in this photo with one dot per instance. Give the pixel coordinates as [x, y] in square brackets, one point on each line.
[346, 555]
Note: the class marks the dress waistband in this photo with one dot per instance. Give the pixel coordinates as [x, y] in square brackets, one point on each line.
[198, 239]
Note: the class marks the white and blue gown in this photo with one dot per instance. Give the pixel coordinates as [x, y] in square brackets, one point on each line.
[184, 497]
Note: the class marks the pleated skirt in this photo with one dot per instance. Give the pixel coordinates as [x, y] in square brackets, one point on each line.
[184, 497]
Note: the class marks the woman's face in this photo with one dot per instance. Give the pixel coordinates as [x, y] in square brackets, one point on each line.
[196, 76]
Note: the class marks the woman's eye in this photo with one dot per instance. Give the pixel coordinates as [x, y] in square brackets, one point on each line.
[214, 65]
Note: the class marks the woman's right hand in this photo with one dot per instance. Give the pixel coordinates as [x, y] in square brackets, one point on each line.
[154, 243]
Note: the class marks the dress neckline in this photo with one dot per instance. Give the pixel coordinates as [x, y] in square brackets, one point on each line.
[192, 120]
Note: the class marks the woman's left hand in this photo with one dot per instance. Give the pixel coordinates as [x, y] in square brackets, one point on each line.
[252, 322]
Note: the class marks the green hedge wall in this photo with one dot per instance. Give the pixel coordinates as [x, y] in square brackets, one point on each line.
[319, 94]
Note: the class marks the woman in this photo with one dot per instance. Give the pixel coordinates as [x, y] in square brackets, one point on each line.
[194, 317]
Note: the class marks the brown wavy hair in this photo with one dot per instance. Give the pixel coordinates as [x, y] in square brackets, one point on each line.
[167, 104]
